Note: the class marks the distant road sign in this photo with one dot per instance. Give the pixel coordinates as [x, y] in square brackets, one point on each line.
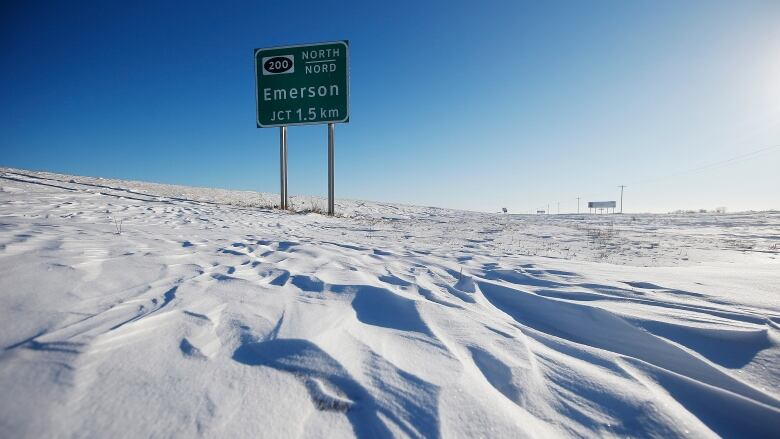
[301, 85]
[601, 204]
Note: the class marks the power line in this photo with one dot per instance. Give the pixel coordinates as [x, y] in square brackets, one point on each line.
[710, 165]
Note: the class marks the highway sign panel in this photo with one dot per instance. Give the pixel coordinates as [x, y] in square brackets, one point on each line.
[301, 85]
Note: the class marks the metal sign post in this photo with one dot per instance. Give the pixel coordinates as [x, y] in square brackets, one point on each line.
[283, 167]
[303, 85]
[331, 171]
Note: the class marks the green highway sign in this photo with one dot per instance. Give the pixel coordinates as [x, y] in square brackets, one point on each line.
[301, 85]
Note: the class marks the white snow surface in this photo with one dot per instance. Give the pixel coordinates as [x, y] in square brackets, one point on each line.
[212, 314]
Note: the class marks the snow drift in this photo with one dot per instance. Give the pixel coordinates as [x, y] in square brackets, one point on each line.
[130, 309]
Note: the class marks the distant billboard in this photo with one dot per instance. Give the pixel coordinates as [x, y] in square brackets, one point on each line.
[602, 204]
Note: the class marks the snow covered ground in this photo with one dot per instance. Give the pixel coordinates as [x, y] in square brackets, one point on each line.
[211, 314]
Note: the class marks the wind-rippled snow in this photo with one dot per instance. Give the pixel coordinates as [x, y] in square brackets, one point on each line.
[212, 314]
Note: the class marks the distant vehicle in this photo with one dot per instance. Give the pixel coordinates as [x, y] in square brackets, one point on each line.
[504, 209]
[540, 211]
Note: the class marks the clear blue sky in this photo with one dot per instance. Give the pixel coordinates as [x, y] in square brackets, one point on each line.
[475, 105]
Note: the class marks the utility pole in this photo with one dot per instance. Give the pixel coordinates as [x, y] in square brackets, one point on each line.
[621, 197]
[578, 205]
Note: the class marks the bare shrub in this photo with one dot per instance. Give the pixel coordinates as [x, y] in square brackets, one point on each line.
[117, 225]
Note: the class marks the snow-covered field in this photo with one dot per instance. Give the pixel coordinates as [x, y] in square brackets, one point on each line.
[211, 314]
